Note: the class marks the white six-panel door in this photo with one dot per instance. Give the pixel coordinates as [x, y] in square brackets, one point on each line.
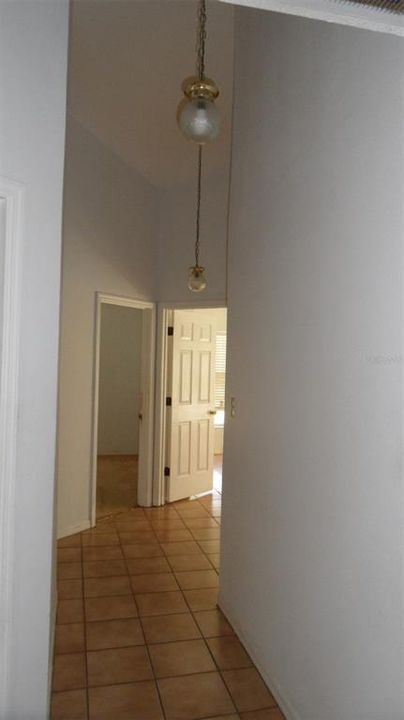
[191, 430]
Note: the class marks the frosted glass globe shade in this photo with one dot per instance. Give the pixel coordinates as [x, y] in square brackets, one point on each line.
[199, 120]
[196, 279]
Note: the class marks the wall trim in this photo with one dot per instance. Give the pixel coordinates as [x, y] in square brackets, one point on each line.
[74, 529]
[279, 694]
[11, 225]
[342, 13]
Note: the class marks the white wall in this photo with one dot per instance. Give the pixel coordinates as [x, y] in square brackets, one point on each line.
[108, 246]
[33, 59]
[312, 567]
[119, 380]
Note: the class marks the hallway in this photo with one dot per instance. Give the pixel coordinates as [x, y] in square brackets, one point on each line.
[138, 635]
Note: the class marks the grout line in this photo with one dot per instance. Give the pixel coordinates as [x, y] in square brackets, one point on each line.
[146, 644]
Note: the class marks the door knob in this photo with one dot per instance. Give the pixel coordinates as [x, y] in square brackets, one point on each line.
[211, 412]
[140, 416]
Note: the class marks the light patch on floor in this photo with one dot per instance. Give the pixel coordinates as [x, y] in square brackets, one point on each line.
[117, 477]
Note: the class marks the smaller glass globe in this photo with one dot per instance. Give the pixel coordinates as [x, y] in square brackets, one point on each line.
[199, 120]
[196, 279]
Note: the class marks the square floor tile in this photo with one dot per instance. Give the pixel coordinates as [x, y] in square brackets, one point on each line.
[143, 566]
[119, 665]
[157, 582]
[138, 701]
[215, 560]
[201, 599]
[69, 555]
[69, 705]
[193, 511]
[133, 525]
[69, 571]
[181, 548]
[226, 717]
[97, 587]
[112, 552]
[110, 608]
[69, 672]
[210, 546]
[195, 696]
[269, 714]
[70, 589]
[170, 523]
[181, 658]
[165, 603]
[70, 542]
[201, 522]
[173, 535]
[70, 611]
[194, 579]
[212, 623]
[104, 568]
[143, 537]
[98, 539]
[168, 628]
[181, 563]
[142, 551]
[248, 689]
[113, 634]
[229, 653]
[206, 533]
[69, 638]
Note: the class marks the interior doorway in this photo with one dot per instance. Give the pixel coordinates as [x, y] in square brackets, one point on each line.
[123, 405]
[189, 439]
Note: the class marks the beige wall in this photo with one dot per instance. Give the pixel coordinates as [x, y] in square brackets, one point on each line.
[119, 380]
[109, 231]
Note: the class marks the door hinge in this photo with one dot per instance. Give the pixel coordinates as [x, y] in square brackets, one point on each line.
[168, 401]
[166, 472]
[170, 330]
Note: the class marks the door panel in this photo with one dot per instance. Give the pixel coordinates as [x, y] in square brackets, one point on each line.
[190, 427]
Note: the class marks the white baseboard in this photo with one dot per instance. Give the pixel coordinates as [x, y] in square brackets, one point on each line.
[73, 529]
[280, 696]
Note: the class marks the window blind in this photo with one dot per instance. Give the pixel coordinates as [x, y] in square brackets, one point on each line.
[220, 370]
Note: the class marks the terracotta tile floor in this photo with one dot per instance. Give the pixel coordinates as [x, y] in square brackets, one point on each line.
[139, 635]
[116, 483]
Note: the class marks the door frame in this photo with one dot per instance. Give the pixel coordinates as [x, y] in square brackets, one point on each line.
[145, 487]
[163, 313]
[11, 230]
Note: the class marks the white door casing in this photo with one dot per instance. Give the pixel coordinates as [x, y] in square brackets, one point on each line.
[190, 426]
[145, 474]
[11, 223]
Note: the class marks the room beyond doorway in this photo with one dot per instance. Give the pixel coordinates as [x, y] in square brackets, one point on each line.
[123, 405]
[119, 409]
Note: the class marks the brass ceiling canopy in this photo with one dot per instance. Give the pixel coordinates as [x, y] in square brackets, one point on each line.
[195, 87]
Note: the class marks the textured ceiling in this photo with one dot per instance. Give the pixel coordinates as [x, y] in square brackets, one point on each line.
[395, 6]
[127, 61]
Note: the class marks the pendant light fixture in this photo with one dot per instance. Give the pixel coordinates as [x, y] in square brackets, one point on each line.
[199, 120]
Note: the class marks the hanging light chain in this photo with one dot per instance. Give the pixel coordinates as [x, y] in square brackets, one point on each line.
[201, 40]
[198, 206]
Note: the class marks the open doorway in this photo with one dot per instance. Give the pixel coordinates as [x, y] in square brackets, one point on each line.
[123, 405]
[192, 403]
